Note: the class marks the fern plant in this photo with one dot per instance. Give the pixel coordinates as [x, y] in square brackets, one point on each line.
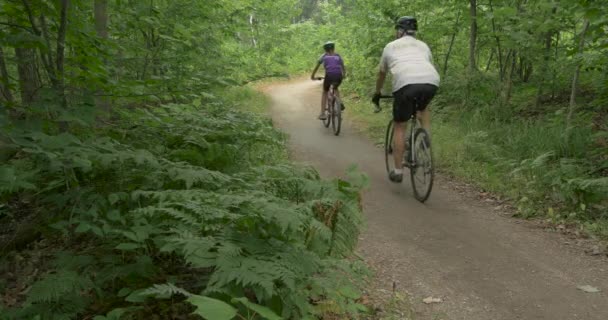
[193, 203]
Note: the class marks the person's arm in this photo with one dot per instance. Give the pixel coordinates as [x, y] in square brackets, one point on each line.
[382, 69]
[312, 76]
[430, 55]
[380, 81]
[319, 62]
[343, 68]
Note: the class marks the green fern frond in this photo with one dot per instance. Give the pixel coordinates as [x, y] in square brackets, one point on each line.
[165, 290]
[55, 286]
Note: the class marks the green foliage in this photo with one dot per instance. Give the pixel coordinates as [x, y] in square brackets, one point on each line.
[212, 309]
[199, 198]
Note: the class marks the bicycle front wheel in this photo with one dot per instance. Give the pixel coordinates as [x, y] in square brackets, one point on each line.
[388, 147]
[422, 171]
[336, 114]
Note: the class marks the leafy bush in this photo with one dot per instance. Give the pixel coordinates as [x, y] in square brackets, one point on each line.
[196, 204]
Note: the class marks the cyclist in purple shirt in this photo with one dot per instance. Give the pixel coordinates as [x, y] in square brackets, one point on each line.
[334, 73]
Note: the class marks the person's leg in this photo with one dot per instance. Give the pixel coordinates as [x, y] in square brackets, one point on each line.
[425, 94]
[402, 111]
[399, 130]
[425, 119]
[336, 80]
[326, 84]
[323, 102]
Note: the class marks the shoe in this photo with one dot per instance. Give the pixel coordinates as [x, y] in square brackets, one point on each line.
[322, 116]
[395, 177]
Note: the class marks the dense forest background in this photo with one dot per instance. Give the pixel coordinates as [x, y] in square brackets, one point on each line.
[136, 181]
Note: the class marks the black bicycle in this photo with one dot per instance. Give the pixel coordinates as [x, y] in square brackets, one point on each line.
[418, 156]
[333, 110]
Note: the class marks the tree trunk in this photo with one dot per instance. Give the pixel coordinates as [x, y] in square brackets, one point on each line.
[5, 87]
[254, 41]
[101, 18]
[498, 46]
[545, 65]
[581, 47]
[61, 32]
[42, 31]
[28, 81]
[509, 80]
[46, 55]
[490, 60]
[554, 75]
[101, 27]
[527, 68]
[473, 37]
[447, 56]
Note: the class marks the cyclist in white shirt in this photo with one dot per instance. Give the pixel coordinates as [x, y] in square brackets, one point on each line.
[415, 82]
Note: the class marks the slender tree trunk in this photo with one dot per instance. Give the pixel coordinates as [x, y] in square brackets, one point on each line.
[527, 68]
[254, 41]
[509, 80]
[61, 33]
[28, 80]
[46, 54]
[447, 56]
[5, 87]
[473, 37]
[556, 56]
[498, 45]
[490, 60]
[101, 18]
[101, 27]
[581, 47]
[545, 65]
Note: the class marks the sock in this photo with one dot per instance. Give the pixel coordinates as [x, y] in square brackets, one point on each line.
[398, 171]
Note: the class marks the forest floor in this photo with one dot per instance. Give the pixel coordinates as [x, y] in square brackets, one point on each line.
[462, 247]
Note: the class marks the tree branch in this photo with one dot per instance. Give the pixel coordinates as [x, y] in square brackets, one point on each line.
[30, 15]
[26, 28]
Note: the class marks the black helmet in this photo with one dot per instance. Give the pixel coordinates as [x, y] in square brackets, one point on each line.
[329, 46]
[406, 23]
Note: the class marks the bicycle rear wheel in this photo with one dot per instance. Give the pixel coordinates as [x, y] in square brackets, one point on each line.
[336, 114]
[388, 148]
[422, 171]
[327, 111]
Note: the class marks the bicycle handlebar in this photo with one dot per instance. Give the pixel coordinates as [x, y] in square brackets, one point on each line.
[378, 108]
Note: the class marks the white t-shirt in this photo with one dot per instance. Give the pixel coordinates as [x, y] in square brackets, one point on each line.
[410, 62]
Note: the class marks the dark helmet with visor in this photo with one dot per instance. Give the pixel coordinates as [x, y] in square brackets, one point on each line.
[329, 46]
[407, 23]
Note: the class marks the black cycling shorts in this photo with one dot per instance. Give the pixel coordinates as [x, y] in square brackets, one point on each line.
[405, 100]
[336, 79]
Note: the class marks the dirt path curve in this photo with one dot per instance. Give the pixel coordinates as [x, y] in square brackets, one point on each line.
[482, 265]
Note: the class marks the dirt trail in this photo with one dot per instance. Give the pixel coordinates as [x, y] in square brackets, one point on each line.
[482, 265]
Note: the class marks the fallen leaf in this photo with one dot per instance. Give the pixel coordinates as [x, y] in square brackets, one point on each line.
[588, 289]
[430, 300]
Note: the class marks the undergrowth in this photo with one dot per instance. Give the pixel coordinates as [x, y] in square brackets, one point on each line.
[546, 168]
[175, 210]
